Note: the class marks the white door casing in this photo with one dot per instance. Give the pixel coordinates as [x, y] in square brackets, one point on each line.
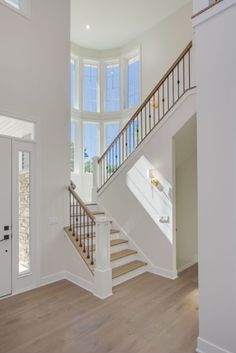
[5, 216]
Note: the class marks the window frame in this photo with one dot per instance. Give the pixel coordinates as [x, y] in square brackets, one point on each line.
[98, 64]
[90, 122]
[133, 57]
[77, 83]
[106, 64]
[109, 122]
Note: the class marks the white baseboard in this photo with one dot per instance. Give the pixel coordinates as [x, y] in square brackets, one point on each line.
[18, 291]
[188, 265]
[208, 347]
[163, 272]
[55, 277]
[79, 281]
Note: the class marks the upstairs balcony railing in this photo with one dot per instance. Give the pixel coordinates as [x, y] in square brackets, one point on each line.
[174, 84]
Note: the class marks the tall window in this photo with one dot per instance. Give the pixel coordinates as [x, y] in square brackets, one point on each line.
[72, 145]
[91, 144]
[111, 131]
[90, 85]
[133, 82]
[73, 85]
[112, 88]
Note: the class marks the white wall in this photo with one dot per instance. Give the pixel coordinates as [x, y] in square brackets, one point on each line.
[161, 46]
[186, 212]
[216, 105]
[131, 190]
[34, 71]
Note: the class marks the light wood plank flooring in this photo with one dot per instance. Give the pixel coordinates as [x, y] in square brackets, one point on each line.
[147, 314]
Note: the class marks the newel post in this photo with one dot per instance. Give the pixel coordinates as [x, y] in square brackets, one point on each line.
[95, 179]
[103, 271]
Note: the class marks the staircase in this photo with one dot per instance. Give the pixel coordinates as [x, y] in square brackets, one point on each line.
[109, 255]
[125, 260]
[169, 90]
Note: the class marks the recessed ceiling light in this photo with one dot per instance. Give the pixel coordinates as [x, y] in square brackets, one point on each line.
[87, 27]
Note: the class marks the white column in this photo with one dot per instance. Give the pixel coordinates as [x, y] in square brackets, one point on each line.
[95, 179]
[103, 271]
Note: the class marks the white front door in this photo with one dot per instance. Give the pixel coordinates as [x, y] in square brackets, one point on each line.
[5, 216]
[18, 257]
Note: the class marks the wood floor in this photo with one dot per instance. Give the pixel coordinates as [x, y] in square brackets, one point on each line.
[148, 314]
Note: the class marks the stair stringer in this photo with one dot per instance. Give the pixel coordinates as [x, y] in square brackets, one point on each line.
[134, 154]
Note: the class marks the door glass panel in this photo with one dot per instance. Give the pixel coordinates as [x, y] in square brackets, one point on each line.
[24, 211]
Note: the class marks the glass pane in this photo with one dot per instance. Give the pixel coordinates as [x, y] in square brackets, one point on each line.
[24, 211]
[91, 145]
[73, 83]
[72, 145]
[16, 128]
[90, 93]
[112, 88]
[111, 131]
[133, 82]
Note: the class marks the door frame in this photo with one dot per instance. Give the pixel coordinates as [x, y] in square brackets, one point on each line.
[29, 280]
[22, 283]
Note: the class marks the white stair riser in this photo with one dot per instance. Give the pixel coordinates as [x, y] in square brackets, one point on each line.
[115, 236]
[94, 208]
[128, 276]
[120, 247]
[124, 260]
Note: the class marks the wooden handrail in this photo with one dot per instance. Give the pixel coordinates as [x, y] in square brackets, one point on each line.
[149, 97]
[206, 8]
[82, 204]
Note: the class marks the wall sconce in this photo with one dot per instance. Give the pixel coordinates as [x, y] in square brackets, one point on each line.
[155, 181]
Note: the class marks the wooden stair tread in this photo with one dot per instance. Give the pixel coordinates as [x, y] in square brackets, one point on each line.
[114, 231]
[131, 266]
[123, 253]
[98, 213]
[115, 242]
[91, 204]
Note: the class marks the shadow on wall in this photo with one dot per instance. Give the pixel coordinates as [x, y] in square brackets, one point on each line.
[157, 202]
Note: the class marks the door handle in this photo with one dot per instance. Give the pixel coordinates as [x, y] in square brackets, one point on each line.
[6, 237]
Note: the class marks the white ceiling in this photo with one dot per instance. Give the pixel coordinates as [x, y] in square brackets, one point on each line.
[114, 23]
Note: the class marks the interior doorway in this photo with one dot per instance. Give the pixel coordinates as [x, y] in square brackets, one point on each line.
[186, 195]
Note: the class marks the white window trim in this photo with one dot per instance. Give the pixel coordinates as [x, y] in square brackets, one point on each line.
[24, 10]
